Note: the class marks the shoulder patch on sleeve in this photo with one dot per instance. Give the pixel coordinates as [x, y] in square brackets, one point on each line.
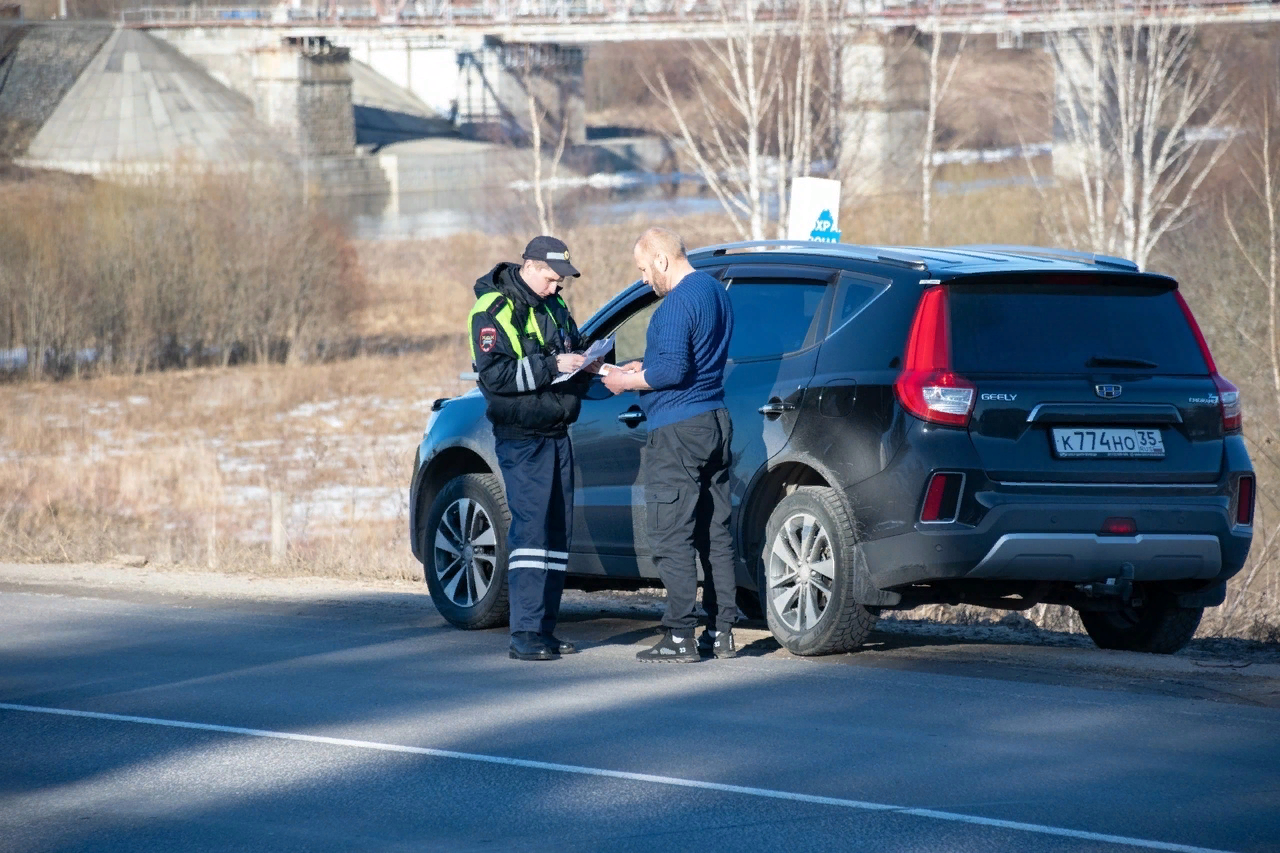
[488, 335]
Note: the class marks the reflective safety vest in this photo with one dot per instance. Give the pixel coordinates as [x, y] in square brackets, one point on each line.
[504, 320]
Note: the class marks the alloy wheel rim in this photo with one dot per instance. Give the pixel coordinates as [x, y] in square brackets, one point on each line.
[800, 572]
[466, 552]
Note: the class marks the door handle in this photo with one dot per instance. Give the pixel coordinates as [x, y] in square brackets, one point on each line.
[775, 407]
[631, 418]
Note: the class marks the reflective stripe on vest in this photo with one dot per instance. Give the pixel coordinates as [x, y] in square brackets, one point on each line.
[503, 318]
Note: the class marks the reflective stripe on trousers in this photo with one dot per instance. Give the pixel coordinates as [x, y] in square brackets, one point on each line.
[538, 474]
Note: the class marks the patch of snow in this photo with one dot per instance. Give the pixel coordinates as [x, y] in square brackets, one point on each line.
[969, 156]
[307, 410]
[244, 495]
[350, 503]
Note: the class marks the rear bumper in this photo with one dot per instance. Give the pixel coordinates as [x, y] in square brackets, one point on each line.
[1026, 535]
[1084, 557]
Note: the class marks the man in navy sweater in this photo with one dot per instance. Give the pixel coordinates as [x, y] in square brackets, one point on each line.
[687, 454]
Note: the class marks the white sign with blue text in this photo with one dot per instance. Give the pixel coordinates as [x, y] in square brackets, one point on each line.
[815, 210]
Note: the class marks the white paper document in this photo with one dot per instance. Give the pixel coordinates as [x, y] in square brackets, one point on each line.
[595, 353]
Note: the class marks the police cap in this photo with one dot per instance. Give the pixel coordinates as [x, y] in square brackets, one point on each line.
[554, 252]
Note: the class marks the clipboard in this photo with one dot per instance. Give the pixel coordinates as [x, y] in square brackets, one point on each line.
[595, 353]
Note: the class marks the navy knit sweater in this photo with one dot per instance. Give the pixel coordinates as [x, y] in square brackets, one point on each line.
[685, 351]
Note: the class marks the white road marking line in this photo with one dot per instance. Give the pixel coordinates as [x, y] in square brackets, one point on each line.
[674, 781]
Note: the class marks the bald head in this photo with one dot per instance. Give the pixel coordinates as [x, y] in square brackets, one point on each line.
[660, 257]
[660, 241]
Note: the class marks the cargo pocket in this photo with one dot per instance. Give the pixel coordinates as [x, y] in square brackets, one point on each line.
[660, 505]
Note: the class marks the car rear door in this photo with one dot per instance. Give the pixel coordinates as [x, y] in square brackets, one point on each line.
[779, 314]
[1086, 379]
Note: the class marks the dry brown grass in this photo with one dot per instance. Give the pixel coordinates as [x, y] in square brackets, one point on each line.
[1003, 213]
[179, 466]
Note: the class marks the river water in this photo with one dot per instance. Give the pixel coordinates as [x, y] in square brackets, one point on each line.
[598, 199]
[511, 209]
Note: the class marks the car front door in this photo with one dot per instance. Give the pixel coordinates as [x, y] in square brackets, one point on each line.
[607, 441]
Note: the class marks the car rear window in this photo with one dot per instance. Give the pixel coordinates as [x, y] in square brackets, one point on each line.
[1011, 328]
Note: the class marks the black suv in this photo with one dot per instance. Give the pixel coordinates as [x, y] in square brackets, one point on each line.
[993, 425]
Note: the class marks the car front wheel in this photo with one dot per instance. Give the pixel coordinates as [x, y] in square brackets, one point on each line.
[465, 548]
[810, 559]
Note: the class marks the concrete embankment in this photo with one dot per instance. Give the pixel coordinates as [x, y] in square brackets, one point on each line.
[38, 65]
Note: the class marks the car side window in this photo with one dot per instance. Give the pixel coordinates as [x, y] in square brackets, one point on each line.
[771, 318]
[855, 293]
[630, 334]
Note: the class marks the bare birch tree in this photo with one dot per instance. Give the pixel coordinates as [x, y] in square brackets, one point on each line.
[763, 107]
[1263, 181]
[543, 195]
[1259, 246]
[736, 86]
[1128, 87]
[939, 83]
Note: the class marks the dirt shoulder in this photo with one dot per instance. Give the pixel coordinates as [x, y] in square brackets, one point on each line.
[1222, 670]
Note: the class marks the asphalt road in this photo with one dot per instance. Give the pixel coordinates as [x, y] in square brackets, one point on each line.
[152, 722]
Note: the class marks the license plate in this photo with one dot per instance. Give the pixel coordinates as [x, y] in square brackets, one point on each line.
[1122, 443]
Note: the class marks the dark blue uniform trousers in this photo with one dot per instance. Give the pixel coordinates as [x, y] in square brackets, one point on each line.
[538, 473]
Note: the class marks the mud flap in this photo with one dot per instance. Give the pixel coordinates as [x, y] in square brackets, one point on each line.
[864, 591]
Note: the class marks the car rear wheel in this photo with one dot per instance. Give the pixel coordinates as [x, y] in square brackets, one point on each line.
[811, 556]
[464, 544]
[1159, 626]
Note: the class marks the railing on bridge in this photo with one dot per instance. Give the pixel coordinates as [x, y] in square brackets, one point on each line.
[489, 12]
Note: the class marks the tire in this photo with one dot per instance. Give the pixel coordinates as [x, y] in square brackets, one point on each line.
[810, 610]
[464, 548]
[1159, 626]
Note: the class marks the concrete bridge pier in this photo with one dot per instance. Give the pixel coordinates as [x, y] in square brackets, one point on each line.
[302, 88]
[883, 88]
[302, 91]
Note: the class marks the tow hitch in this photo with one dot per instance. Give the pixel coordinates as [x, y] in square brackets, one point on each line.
[1120, 587]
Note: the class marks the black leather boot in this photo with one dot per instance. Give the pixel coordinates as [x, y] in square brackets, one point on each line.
[559, 646]
[527, 645]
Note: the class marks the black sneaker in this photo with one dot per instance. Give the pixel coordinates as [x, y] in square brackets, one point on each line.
[557, 645]
[527, 645]
[672, 650]
[721, 646]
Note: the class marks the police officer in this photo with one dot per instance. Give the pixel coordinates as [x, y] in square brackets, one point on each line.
[522, 337]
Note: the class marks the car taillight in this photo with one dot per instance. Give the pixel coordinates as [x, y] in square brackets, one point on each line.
[1228, 394]
[1229, 403]
[928, 388]
[942, 498]
[1244, 500]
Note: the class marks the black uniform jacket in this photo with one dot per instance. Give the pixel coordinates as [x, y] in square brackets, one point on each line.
[516, 381]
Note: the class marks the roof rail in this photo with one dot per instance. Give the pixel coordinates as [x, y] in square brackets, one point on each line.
[1058, 254]
[849, 250]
